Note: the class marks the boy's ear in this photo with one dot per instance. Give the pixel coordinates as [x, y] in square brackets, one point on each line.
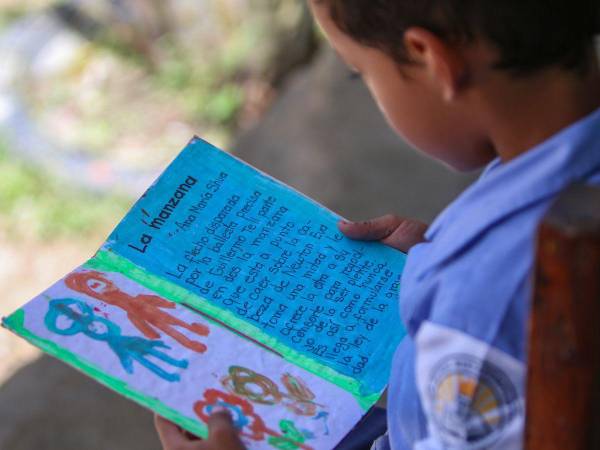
[445, 64]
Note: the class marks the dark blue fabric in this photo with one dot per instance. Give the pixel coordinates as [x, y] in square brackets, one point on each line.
[370, 427]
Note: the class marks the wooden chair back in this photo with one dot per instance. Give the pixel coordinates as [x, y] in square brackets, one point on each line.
[563, 385]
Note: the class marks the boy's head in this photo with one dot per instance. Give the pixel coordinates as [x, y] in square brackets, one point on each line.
[434, 66]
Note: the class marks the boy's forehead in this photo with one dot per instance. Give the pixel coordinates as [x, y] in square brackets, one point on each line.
[333, 33]
[347, 48]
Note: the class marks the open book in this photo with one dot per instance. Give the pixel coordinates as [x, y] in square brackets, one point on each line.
[224, 287]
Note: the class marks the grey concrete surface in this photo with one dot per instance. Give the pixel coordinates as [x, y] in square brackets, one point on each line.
[47, 405]
[326, 137]
[323, 136]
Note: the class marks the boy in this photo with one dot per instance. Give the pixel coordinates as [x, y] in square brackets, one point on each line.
[514, 85]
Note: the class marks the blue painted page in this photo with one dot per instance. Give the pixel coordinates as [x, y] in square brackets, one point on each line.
[266, 262]
[223, 287]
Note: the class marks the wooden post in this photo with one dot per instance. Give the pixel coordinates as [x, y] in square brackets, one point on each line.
[563, 386]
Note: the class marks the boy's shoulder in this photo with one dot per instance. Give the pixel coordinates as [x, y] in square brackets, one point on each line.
[480, 251]
[509, 199]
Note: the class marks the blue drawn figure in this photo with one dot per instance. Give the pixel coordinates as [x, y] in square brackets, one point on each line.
[68, 316]
[323, 415]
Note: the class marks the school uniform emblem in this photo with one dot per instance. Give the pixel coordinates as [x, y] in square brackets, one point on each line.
[472, 400]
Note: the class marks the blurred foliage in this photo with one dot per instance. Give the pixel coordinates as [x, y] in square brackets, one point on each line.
[211, 58]
[135, 79]
[149, 74]
[11, 10]
[209, 90]
[10, 14]
[36, 206]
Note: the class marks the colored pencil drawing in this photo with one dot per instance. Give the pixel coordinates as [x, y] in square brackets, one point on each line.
[250, 424]
[68, 317]
[260, 389]
[143, 310]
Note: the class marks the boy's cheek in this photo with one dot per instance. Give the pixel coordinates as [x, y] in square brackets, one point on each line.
[434, 131]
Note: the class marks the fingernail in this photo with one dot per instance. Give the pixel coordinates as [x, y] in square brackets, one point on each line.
[220, 409]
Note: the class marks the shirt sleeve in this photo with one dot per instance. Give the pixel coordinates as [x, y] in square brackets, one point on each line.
[471, 392]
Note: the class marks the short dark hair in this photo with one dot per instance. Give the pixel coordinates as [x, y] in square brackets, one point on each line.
[529, 34]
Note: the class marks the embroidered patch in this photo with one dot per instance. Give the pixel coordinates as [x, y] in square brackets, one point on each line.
[471, 400]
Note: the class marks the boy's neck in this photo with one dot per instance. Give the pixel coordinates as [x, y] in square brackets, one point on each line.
[522, 112]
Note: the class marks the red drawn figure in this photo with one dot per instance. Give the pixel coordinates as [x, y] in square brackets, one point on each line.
[248, 422]
[144, 311]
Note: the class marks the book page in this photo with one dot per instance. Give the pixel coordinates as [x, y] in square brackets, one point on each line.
[224, 287]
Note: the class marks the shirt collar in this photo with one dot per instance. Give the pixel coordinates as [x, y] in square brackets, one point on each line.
[571, 155]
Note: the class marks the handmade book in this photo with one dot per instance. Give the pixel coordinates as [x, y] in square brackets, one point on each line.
[223, 287]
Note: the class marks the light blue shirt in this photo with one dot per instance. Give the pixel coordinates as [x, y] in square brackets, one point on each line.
[457, 380]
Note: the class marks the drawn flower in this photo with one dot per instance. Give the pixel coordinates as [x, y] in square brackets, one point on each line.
[251, 385]
[301, 393]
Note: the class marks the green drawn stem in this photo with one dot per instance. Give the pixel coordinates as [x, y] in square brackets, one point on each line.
[16, 323]
[112, 262]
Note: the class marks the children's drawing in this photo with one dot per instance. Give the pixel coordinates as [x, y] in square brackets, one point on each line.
[144, 311]
[249, 423]
[260, 389]
[251, 385]
[297, 389]
[242, 412]
[291, 438]
[323, 415]
[68, 317]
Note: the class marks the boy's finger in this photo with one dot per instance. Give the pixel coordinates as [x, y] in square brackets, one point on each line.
[407, 234]
[169, 434]
[221, 431]
[371, 230]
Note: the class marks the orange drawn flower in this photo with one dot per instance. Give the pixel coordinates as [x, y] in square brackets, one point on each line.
[242, 412]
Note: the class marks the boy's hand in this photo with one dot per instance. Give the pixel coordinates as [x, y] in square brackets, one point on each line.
[397, 232]
[222, 435]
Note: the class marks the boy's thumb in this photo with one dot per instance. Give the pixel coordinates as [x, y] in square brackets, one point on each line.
[371, 230]
[397, 232]
[221, 430]
[406, 235]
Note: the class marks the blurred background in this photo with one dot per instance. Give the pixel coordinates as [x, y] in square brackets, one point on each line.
[96, 97]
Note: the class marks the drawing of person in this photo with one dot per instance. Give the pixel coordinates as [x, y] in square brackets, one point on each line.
[80, 318]
[145, 311]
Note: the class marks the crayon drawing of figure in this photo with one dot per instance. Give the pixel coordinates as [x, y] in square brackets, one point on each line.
[144, 311]
[68, 317]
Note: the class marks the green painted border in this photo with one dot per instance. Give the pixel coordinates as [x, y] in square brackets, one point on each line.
[16, 323]
[111, 262]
